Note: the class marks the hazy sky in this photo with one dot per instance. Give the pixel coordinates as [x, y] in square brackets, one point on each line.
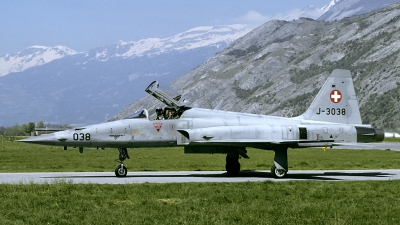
[86, 24]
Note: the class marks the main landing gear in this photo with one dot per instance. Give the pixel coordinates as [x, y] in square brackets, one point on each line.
[232, 165]
[278, 173]
[120, 170]
[278, 170]
[280, 167]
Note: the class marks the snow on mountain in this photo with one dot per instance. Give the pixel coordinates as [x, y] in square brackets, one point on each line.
[32, 56]
[308, 12]
[329, 6]
[91, 86]
[194, 38]
[339, 9]
[190, 39]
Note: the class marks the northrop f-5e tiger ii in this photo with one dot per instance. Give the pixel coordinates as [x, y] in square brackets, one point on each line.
[333, 119]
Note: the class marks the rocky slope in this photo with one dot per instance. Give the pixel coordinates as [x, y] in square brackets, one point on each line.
[278, 68]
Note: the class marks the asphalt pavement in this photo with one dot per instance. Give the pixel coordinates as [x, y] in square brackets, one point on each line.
[367, 146]
[196, 176]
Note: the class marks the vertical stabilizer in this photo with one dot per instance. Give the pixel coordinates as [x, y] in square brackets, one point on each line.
[336, 102]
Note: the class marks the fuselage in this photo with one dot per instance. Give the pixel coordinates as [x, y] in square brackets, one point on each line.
[205, 127]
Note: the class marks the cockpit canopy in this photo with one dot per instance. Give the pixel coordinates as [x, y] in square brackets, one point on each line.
[175, 105]
[141, 114]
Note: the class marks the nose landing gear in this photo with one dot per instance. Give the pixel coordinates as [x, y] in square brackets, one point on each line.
[121, 170]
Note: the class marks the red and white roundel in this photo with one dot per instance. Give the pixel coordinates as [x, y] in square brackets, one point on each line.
[335, 96]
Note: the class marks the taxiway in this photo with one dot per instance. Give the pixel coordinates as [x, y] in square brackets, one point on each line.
[393, 146]
[196, 176]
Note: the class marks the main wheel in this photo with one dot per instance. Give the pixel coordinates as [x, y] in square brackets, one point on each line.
[278, 173]
[121, 171]
[232, 165]
[232, 169]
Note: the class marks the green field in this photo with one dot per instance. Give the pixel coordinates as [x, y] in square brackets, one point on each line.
[296, 202]
[371, 202]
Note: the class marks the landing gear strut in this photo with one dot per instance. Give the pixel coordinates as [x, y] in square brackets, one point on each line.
[232, 165]
[120, 170]
[280, 167]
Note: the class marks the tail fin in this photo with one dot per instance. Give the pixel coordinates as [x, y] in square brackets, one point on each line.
[336, 102]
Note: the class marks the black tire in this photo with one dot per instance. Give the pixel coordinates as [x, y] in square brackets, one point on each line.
[232, 169]
[278, 173]
[232, 166]
[121, 172]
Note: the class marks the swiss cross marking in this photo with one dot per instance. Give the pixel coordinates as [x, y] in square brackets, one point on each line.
[335, 96]
[157, 126]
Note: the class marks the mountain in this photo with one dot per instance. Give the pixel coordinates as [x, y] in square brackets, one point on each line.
[59, 85]
[31, 57]
[279, 67]
[339, 9]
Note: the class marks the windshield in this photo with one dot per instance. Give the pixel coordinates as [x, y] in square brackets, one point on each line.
[141, 114]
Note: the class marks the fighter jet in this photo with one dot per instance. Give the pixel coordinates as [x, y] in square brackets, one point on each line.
[332, 119]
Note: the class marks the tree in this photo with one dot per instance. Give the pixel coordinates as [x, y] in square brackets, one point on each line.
[15, 130]
[22, 130]
[30, 128]
[40, 124]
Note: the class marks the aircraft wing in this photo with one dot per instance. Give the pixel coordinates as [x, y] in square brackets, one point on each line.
[243, 141]
[220, 137]
[265, 143]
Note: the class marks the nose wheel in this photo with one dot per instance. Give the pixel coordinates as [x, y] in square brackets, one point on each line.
[121, 170]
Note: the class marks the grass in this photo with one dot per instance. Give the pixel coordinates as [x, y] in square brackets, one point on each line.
[370, 202]
[397, 140]
[296, 202]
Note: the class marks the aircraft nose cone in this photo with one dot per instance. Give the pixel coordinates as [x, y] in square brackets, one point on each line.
[42, 139]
